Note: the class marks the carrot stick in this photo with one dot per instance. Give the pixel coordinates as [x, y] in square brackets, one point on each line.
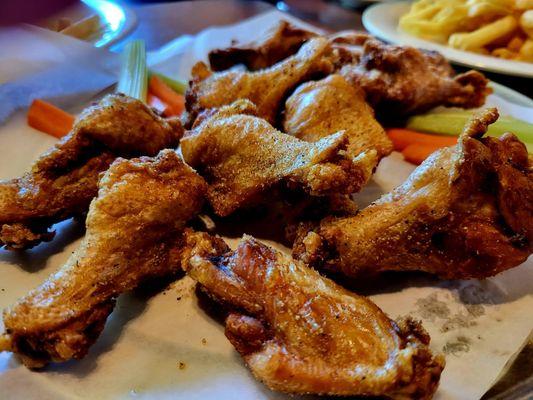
[401, 138]
[175, 101]
[155, 102]
[49, 119]
[416, 153]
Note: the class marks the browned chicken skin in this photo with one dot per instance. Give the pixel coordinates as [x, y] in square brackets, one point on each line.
[241, 156]
[279, 43]
[62, 182]
[134, 230]
[267, 88]
[397, 80]
[299, 332]
[402, 80]
[316, 109]
[466, 212]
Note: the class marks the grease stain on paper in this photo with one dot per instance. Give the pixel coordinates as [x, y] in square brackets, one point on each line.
[460, 345]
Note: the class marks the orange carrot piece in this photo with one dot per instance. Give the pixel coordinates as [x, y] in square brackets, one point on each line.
[174, 101]
[157, 103]
[416, 153]
[49, 119]
[401, 138]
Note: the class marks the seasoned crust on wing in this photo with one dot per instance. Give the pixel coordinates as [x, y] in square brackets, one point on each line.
[266, 88]
[403, 80]
[280, 42]
[301, 333]
[242, 156]
[466, 212]
[134, 231]
[318, 108]
[62, 182]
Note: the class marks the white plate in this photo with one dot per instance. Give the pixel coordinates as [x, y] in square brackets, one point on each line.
[382, 21]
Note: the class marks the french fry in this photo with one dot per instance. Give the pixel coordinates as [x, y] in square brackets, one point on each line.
[504, 52]
[485, 35]
[526, 22]
[487, 10]
[499, 28]
[526, 51]
[434, 20]
[515, 44]
[524, 4]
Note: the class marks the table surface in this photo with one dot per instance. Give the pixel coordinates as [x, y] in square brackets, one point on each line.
[160, 23]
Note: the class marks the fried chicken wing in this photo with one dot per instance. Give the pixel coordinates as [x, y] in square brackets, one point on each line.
[62, 182]
[241, 156]
[299, 332]
[402, 80]
[316, 109]
[267, 88]
[282, 41]
[134, 232]
[466, 212]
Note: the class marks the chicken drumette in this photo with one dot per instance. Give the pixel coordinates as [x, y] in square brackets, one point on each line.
[402, 80]
[62, 182]
[397, 80]
[466, 212]
[316, 109]
[267, 88]
[134, 232]
[280, 42]
[300, 333]
[241, 156]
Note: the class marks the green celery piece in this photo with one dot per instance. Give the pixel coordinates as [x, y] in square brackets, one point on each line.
[175, 84]
[452, 123]
[133, 79]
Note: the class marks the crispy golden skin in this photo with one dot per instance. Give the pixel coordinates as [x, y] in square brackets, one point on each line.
[282, 41]
[134, 231]
[397, 80]
[466, 212]
[402, 80]
[62, 182]
[267, 88]
[241, 156]
[299, 332]
[316, 109]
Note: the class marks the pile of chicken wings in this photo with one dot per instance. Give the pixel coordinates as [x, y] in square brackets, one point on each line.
[290, 124]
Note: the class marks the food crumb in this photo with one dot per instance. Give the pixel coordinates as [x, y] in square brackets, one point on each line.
[204, 341]
[181, 365]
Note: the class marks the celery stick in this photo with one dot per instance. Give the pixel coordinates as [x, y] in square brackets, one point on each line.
[175, 84]
[133, 79]
[452, 123]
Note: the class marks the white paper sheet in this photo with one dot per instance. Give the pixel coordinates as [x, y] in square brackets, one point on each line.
[480, 325]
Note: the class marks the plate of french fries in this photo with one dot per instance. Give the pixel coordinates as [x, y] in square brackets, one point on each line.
[494, 35]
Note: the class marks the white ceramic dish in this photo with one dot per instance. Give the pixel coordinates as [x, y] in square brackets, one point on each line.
[118, 19]
[382, 21]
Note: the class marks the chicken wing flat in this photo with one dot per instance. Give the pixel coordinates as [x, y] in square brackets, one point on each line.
[402, 80]
[282, 41]
[466, 212]
[267, 88]
[318, 108]
[62, 182]
[299, 332]
[241, 156]
[134, 230]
